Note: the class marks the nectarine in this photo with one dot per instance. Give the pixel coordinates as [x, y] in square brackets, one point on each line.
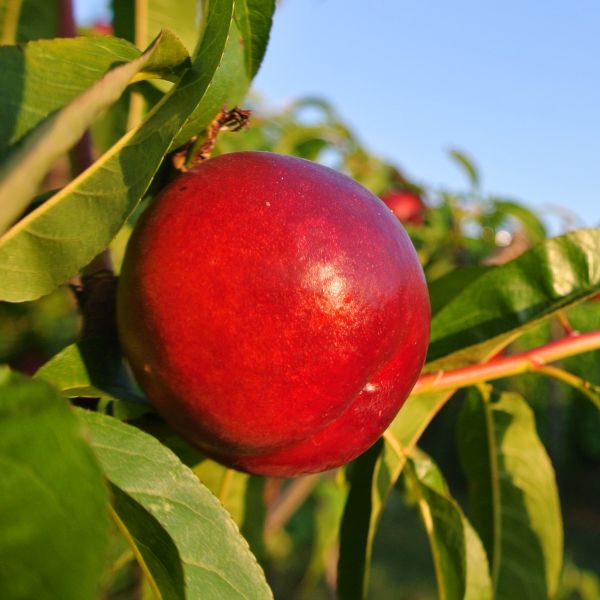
[406, 205]
[274, 311]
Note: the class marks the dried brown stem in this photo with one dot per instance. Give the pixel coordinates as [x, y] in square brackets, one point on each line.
[197, 150]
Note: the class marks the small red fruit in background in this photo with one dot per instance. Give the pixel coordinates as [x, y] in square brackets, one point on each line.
[274, 312]
[101, 28]
[406, 205]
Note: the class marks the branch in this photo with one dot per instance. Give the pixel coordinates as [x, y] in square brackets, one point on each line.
[506, 366]
[96, 294]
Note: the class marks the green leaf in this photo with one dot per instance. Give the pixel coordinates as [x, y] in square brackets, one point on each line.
[513, 496]
[22, 173]
[241, 495]
[228, 88]
[29, 95]
[467, 166]
[460, 562]
[53, 500]
[372, 476]
[93, 368]
[154, 15]
[24, 20]
[254, 18]
[53, 242]
[329, 498]
[246, 44]
[364, 505]
[217, 563]
[509, 298]
[446, 287]
[533, 225]
[153, 547]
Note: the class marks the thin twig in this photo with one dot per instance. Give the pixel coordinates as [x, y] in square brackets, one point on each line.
[506, 366]
[288, 502]
[588, 389]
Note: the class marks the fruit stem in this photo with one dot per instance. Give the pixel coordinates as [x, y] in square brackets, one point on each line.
[500, 366]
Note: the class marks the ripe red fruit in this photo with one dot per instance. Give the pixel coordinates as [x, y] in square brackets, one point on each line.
[274, 311]
[406, 205]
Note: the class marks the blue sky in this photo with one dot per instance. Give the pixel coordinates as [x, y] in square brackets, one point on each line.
[515, 84]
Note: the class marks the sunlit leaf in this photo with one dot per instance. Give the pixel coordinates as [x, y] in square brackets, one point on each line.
[467, 165]
[371, 478]
[25, 168]
[246, 44]
[54, 241]
[29, 94]
[185, 21]
[513, 498]
[511, 297]
[253, 18]
[460, 562]
[216, 560]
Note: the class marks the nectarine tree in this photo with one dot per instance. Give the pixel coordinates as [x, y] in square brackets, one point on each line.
[279, 361]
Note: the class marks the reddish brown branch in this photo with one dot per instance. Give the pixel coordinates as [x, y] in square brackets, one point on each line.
[66, 19]
[506, 366]
[96, 292]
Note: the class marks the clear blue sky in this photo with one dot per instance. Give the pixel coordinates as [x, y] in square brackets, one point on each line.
[515, 84]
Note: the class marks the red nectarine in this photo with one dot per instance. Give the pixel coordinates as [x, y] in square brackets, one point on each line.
[274, 311]
[406, 205]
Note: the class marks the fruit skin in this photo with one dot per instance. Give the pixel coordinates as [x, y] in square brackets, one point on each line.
[274, 312]
[406, 205]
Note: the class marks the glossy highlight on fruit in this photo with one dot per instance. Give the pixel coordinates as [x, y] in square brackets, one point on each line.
[274, 311]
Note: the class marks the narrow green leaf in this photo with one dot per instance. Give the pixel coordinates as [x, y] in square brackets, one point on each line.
[228, 88]
[185, 21]
[53, 242]
[513, 496]
[372, 477]
[217, 563]
[529, 220]
[53, 500]
[253, 18]
[30, 95]
[246, 44]
[467, 166]
[329, 499]
[509, 298]
[22, 173]
[152, 545]
[460, 562]
[356, 531]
